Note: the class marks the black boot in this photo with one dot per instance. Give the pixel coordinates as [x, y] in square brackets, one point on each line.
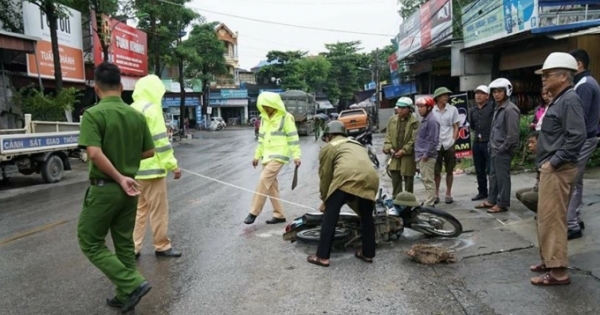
[250, 218]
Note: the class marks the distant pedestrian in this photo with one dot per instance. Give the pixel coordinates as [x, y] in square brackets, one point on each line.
[589, 92]
[481, 115]
[278, 144]
[504, 140]
[426, 146]
[116, 138]
[562, 136]
[447, 116]
[153, 203]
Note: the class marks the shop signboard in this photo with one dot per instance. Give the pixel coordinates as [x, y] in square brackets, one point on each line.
[430, 24]
[488, 20]
[175, 101]
[128, 46]
[238, 93]
[228, 102]
[463, 143]
[70, 43]
[557, 13]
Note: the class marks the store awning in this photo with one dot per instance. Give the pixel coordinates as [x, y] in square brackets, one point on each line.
[324, 105]
[589, 31]
[571, 27]
[17, 42]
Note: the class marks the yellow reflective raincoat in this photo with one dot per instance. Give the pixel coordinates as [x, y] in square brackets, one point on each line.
[277, 136]
[147, 98]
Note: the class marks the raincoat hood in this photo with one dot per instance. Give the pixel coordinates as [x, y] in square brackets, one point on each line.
[150, 89]
[272, 100]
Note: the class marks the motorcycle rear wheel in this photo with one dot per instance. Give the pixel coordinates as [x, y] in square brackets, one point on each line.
[313, 235]
[436, 215]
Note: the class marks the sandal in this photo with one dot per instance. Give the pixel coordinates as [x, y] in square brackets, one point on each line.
[313, 259]
[539, 268]
[547, 279]
[496, 209]
[484, 205]
[358, 254]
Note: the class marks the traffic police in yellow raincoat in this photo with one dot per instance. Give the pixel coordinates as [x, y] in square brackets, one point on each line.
[278, 144]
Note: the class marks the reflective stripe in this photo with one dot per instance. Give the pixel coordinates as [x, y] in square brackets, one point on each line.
[146, 107]
[281, 157]
[294, 142]
[261, 135]
[164, 148]
[279, 131]
[293, 133]
[151, 172]
[159, 136]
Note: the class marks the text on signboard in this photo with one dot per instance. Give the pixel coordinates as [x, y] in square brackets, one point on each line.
[126, 44]
[63, 24]
[38, 142]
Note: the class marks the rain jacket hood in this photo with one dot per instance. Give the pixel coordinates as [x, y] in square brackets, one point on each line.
[149, 88]
[272, 100]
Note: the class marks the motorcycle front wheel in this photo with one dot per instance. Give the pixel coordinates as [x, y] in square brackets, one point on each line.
[313, 235]
[431, 221]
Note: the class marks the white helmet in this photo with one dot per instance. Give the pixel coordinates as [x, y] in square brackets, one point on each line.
[502, 83]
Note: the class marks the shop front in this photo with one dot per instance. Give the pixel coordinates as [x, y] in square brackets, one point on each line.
[231, 105]
[193, 108]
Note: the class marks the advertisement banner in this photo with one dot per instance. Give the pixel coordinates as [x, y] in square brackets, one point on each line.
[128, 46]
[463, 143]
[488, 20]
[70, 44]
[430, 24]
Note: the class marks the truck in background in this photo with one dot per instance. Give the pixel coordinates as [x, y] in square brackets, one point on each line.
[42, 147]
[303, 106]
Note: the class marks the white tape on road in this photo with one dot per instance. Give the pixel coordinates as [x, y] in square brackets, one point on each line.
[245, 189]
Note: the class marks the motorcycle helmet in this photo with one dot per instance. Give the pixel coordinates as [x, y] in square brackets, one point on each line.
[427, 101]
[502, 83]
[404, 102]
[335, 127]
[406, 199]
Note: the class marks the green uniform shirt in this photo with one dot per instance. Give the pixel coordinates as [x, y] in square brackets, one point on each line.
[401, 130]
[120, 131]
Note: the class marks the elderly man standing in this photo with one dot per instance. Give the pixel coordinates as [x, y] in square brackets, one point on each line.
[400, 139]
[589, 92]
[560, 141]
[504, 139]
[447, 116]
[277, 140]
[481, 116]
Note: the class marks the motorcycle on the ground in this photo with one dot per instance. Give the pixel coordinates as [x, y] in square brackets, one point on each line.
[390, 221]
[366, 139]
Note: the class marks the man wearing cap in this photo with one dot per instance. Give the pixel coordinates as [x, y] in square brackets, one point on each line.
[447, 116]
[481, 123]
[561, 138]
[400, 139]
[589, 92]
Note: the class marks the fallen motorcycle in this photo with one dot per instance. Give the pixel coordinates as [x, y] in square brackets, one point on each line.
[366, 139]
[390, 221]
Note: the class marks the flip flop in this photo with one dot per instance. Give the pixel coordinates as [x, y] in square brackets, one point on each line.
[539, 268]
[313, 259]
[547, 279]
[358, 254]
[484, 205]
[496, 209]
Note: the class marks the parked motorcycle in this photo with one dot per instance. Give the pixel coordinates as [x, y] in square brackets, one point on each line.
[390, 221]
[366, 139]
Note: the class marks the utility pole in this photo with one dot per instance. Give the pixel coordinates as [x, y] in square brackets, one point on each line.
[377, 88]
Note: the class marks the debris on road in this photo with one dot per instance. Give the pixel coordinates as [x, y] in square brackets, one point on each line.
[430, 254]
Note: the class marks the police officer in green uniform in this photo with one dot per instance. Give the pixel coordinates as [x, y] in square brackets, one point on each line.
[347, 176]
[116, 139]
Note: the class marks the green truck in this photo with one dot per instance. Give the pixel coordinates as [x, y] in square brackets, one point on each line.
[303, 106]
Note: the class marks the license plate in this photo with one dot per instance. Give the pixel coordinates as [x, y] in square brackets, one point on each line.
[353, 130]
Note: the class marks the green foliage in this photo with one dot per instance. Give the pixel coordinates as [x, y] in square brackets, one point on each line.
[11, 16]
[45, 106]
[408, 7]
[203, 53]
[296, 70]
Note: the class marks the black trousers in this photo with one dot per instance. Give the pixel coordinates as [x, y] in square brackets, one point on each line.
[481, 159]
[333, 206]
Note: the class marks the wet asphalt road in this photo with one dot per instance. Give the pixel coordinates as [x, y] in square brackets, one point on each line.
[227, 267]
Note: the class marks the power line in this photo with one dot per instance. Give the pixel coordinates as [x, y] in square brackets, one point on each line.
[279, 23]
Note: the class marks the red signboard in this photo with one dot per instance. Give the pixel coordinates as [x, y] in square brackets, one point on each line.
[128, 46]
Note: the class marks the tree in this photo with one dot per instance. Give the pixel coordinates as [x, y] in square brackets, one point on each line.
[315, 72]
[164, 24]
[11, 15]
[99, 7]
[408, 7]
[285, 67]
[344, 74]
[203, 56]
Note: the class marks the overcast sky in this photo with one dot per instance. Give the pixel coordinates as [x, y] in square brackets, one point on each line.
[256, 39]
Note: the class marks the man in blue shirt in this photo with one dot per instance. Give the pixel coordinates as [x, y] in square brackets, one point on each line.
[588, 90]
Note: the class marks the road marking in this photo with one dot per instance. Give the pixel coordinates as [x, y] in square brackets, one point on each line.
[36, 230]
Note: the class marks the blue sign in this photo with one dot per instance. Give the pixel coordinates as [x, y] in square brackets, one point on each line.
[38, 142]
[174, 101]
[234, 93]
[271, 90]
[393, 91]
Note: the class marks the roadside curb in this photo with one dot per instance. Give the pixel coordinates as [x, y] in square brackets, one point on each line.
[12, 194]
